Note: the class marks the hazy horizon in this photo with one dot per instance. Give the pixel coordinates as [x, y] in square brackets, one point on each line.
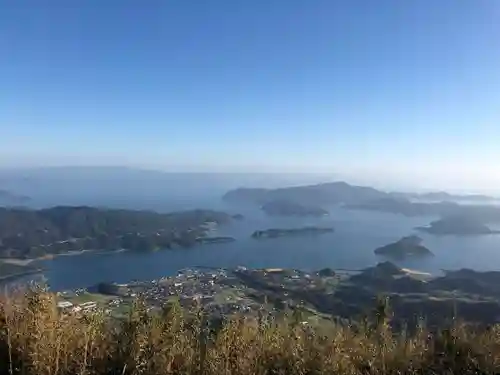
[391, 94]
[252, 179]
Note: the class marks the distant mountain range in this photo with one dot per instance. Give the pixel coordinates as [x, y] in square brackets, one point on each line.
[133, 188]
[341, 192]
[370, 199]
[444, 196]
[319, 194]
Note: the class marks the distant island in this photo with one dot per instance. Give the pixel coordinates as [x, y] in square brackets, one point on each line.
[341, 192]
[485, 213]
[459, 226]
[282, 207]
[317, 195]
[28, 234]
[409, 246]
[370, 199]
[404, 207]
[441, 196]
[276, 232]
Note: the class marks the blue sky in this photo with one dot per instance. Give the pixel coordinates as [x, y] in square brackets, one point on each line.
[385, 90]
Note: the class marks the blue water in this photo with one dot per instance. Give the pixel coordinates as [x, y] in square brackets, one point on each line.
[357, 234]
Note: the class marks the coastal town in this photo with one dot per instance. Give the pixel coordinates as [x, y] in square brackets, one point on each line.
[219, 292]
[324, 294]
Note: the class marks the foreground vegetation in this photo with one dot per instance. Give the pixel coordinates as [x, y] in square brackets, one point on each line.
[36, 339]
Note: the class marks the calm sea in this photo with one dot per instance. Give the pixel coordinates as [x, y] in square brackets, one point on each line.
[351, 246]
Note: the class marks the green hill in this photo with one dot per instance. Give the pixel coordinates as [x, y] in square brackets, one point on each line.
[35, 233]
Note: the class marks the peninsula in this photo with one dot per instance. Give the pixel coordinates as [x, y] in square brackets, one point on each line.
[10, 271]
[28, 234]
[276, 232]
[409, 246]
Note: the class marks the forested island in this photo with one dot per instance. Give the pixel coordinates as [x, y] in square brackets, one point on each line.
[29, 234]
[459, 226]
[404, 207]
[319, 194]
[370, 199]
[483, 213]
[282, 207]
[277, 232]
[409, 246]
[443, 196]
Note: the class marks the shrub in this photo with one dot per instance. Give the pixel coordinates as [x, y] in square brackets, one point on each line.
[35, 339]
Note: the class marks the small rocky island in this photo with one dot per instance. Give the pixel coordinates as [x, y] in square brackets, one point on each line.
[276, 232]
[409, 246]
[282, 207]
[458, 226]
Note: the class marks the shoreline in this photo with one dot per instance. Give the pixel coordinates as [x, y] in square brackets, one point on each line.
[15, 276]
[26, 262]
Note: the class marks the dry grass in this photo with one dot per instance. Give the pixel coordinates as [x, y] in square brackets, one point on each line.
[36, 340]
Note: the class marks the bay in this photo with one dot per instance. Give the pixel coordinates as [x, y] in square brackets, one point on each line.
[357, 234]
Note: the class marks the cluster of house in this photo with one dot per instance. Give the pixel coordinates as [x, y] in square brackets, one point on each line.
[197, 287]
[283, 278]
[218, 291]
[189, 285]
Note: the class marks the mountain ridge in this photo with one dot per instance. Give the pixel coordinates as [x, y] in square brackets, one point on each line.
[342, 192]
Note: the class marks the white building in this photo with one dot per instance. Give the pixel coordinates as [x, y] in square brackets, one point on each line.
[87, 306]
[64, 304]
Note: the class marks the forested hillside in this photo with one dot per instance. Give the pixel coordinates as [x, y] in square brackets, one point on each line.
[29, 234]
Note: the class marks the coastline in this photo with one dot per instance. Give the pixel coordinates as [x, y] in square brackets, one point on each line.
[26, 262]
[8, 278]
